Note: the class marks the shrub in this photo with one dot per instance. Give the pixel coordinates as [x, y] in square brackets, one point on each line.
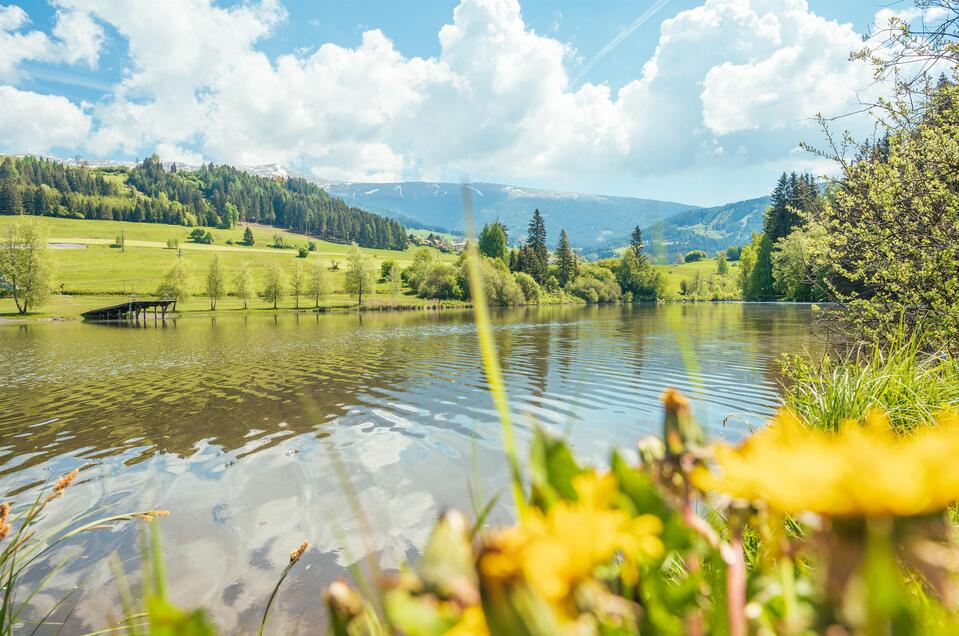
[302, 252]
[596, 285]
[440, 282]
[531, 289]
[500, 287]
[695, 256]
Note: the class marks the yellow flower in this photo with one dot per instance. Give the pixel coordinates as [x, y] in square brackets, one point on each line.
[556, 550]
[863, 470]
[472, 623]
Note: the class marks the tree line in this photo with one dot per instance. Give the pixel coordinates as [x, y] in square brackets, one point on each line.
[213, 196]
[530, 273]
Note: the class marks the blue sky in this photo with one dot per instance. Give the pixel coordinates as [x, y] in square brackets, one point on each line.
[703, 103]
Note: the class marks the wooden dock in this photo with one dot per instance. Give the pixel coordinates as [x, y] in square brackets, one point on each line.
[131, 311]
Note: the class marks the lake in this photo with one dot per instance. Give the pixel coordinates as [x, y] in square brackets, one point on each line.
[354, 430]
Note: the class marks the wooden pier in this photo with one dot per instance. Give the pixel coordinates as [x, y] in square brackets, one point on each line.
[131, 311]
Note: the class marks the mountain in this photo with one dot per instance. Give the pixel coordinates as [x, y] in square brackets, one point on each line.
[707, 229]
[592, 221]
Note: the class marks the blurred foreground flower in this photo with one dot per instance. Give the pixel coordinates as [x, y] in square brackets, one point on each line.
[862, 471]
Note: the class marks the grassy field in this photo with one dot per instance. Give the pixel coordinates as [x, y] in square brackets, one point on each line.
[96, 274]
[676, 273]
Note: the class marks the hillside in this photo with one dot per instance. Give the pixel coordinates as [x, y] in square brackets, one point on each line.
[211, 196]
[707, 229]
[592, 221]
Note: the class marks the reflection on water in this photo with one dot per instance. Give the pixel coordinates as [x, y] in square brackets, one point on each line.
[243, 426]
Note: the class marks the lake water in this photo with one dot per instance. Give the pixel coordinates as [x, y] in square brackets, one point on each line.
[354, 431]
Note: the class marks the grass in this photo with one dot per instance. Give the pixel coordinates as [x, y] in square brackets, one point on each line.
[674, 274]
[910, 386]
[100, 275]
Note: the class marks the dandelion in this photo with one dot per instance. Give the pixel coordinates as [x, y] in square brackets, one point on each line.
[296, 554]
[4, 520]
[864, 470]
[62, 483]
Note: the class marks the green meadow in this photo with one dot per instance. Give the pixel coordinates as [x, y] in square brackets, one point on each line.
[97, 274]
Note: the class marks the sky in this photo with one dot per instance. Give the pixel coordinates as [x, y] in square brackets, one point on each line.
[700, 102]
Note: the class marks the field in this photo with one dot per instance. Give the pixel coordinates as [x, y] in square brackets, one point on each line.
[90, 273]
[675, 274]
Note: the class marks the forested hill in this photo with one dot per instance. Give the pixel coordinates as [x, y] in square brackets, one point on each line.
[214, 196]
[708, 229]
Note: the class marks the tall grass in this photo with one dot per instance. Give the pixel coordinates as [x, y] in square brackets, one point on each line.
[900, 379]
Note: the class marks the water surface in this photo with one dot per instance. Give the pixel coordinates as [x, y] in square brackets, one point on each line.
[353, 431]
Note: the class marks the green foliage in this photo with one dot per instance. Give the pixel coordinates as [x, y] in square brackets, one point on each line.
[360, 274]
[531, 289]
[499, 286]
[319, 283]
[722, 264]
[248, 239]
[734, 252]
[566, 265]
[800, 264]
[274, 284]
[441, 282]
[694, 256]
[596, 284]
[297, 283]
[243, 285]
[493, 242]
[215, 281]
[172, 243]
[637, 277]
[910, 386]
[416, 271]
[756, 270]
[302, 252]
[893, 225]
[25, 268]
[199, 235]
[386, 269]
[533, 257]
[177, 283]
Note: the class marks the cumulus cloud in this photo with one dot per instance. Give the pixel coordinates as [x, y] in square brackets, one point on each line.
[77, 39]
[34, 123]
[732, 82]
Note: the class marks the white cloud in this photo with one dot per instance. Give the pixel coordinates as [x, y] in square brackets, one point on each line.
[496, 101]
[77, 40]
[34, 123]
[173, 152]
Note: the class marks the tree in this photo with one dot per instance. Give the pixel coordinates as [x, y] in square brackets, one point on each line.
[215, 281]
[386, 269]
[248, 236]
[25, 267]
[360, 274]
[800, 264]
[638, 277]
[531, 289]
[493, 241]
[893, 228]
[415, 272]
[177, 282]
[395, 281]
[319, 285]
[10, 199]
[243, 284]
[636, 241]
[274, 284]
[694, 256]
[441, 283]
[297, 283]
[565, 260]
[722, 264]
[536, 259]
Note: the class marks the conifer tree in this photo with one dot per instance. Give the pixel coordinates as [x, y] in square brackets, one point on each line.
[565, 260]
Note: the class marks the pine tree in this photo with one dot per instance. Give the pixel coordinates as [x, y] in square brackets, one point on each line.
[248, 236]
[536, 258]
[636, 241]
[565, 260]
[493, 241]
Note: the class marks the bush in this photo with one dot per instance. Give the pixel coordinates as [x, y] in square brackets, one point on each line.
[500, 287]
[302, 252]
[734, 252]
[199, 235]
[695, 256]
[440, 282]
[173, 243]
[596, 285]
[311, 246]
[386, 269]
[531, 289]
